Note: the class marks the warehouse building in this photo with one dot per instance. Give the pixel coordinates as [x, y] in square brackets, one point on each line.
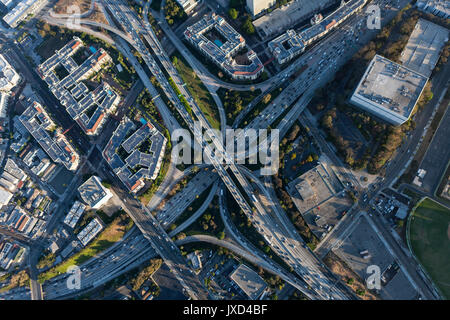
[424, 46]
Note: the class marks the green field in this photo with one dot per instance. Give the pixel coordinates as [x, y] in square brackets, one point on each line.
[430, 241]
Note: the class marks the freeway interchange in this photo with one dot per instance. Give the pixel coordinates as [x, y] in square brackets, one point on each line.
[295, 254]
[309, 275]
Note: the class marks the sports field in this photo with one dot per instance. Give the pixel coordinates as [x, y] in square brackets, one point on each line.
[430, 241]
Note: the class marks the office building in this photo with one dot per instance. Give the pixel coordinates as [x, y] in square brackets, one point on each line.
[257, 6]
[389, 90]
[93, 193]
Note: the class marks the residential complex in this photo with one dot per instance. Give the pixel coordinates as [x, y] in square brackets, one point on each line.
[424, 46]
[93, 193]
[12, 178]
[440, 8]
[220, 43]
[90, 231]
[23, 9]
[37, 121]
[388, 90]
[320, 197]
[5, 197]
[291, 44]
[74, 214]
[288, 16]
[135, 155]
[9, 78]
[89, 109]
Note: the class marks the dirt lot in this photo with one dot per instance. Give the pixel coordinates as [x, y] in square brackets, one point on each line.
[339, 268]
[62, 5]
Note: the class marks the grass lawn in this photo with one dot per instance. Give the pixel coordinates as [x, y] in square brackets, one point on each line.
[113, 233]
[198, 90]
[430, 241]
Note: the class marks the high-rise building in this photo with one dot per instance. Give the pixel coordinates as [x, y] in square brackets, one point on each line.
[257, 6]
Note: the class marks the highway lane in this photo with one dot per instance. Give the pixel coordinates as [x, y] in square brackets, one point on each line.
[197, 213]
[195, 65]
[149, 226]
[176, 205]
[237, 236]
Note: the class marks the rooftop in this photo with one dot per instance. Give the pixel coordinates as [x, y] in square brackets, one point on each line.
[37, 121]
[222, 52]
[389, 89]
[249, 281]
[147, 160]
[422, 51]
[9, 78]
[93, 193]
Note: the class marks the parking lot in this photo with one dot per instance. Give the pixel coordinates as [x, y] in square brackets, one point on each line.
[362, 248]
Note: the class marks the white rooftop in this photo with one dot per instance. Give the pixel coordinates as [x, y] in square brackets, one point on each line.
[424, 46]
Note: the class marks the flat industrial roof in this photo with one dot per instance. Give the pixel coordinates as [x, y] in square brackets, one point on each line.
[424, 46]
[390, 87]
[249, 281]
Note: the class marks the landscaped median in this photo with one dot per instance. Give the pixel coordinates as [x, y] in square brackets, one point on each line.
[114, 232]
[429, 239]
[197, 89]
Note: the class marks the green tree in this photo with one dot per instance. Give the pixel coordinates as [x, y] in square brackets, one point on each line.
[233, 13]
[248, 26]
